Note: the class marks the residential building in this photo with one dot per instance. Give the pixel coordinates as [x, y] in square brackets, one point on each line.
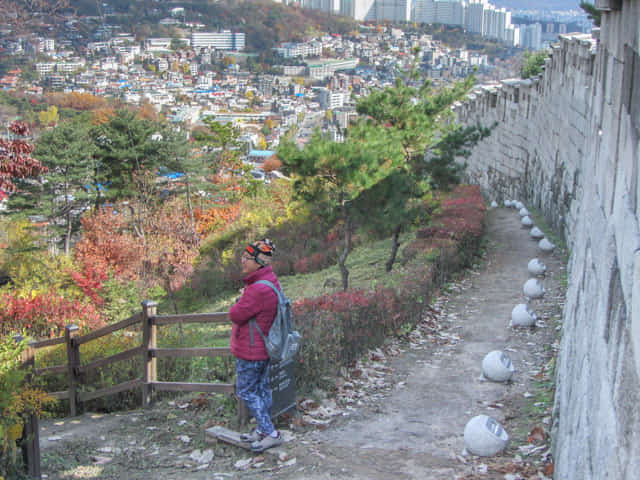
[302, 50]
[157, 44]
[326, 69]
[224, 40]
[330, 100]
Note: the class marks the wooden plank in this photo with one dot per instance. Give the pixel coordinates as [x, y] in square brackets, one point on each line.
[50, 370]
[112, 359]
[48, 343]
[101, 332]
[193, 387]
[121, 387]
[191, 352]
[232, 437]
[63, 395]
[228, 436]
[216, 317]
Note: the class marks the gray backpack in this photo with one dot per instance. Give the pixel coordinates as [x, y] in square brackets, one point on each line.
[282, 341]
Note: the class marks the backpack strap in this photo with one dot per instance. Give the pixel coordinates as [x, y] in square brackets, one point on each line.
[252, 322]
[273, 287]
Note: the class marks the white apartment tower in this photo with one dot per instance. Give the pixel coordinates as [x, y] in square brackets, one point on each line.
[496, 22]
[324, 5]
[474, 17]
[531, 36]
[447, 12]
[393, 10]
[361, 10]
[424, 11]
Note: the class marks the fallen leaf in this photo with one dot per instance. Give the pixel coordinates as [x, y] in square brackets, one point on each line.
[537, 435]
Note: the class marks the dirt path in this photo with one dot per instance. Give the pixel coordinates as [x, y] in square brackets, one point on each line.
[400, 414]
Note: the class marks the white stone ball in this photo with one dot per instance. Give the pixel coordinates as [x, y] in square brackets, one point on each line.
[536, 267]
[508, 203]
[517, 204]
[522, 316]
[523, 212]
[484, 436]
[526, 221]
[536, 233]
[533, 288]
[497, 366]
[545, 245]
[494, 204]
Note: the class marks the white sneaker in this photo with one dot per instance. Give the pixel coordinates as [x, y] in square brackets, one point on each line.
[252, 436]
[267, 442]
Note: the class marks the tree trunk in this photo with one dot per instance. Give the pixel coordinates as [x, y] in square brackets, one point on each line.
[394, 248]
[345, 253]
[341, 262]
[67, 236]
[189, 204]
[136, 226]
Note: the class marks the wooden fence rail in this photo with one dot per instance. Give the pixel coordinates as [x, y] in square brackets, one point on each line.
[148, 350]
[147, 381]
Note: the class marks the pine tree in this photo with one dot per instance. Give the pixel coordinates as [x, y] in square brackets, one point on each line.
[331, 175]
[418, 126]
[67, 150]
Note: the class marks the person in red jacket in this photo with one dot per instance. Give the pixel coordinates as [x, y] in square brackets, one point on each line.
[258, 301]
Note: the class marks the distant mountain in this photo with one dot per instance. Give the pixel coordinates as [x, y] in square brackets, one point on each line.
[538, 4]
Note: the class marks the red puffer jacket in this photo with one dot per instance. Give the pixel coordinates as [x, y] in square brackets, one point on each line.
[257, 301]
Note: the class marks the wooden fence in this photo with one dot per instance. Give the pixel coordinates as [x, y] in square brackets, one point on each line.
[147, 381]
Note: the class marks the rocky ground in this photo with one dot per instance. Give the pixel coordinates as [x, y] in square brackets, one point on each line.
[400, 413]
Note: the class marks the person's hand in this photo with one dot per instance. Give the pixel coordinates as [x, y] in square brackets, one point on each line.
[241, 292]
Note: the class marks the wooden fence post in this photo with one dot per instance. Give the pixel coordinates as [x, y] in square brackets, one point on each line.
[30, 441]
[71, 332]
[149, 343]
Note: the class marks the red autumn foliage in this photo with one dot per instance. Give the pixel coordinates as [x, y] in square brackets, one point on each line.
[46, 314]
[216, 217]
[90, 280]
[15, 157]
[272, 163]
[462, 212]
[108, 244]
[164, 256]
[171, 247]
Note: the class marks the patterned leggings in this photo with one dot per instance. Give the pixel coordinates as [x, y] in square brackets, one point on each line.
[252, 386]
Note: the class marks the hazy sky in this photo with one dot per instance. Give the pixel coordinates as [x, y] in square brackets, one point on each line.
[538, 4]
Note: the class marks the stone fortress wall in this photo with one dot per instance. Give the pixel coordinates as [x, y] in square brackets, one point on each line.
[567, 143]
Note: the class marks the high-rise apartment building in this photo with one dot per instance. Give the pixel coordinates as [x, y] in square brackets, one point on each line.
[447, 12]
[324, 5]
[393, 10]
[474, 16]
[362, 10]
[424, 11]
[531, 36]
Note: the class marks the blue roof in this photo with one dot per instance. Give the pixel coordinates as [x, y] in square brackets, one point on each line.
[172, 175]
[261, 153]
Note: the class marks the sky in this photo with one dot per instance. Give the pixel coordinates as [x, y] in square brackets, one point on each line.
[538, 4]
